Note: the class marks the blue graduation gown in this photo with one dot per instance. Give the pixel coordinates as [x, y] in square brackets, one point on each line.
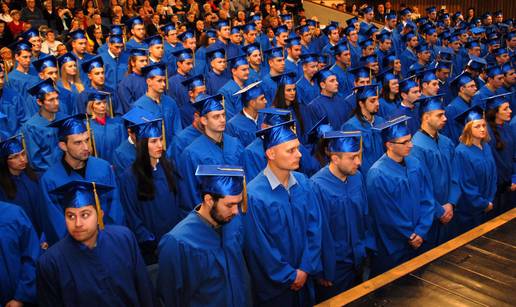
[124, 156]
[482, 93]
[178, 92]
[334, 107]
[11, 104]
[243, 128]
[20, 82]
[114, 69]
[82, 101]
[296, 68]
[407, 58]
[41, 142]
[306, 91]
[372, 144]
[453, 129]
[107, 137]
[97, 170]
[387, 108]
[414, 122]
[283, 234]
[130, 89]
[345, 79]
[133, 44]
[504, 158]
[82, 74]
[111, 274]
[344, 204]
[201, 266]
[166, 109]
[67, 99]
[401, 203]
[170, 59]
[149, 220]
[20, 251]
[180, 142]
[356, 53]
[270, 87]
[215, 82]
[232, 103]
[203, 150]
[476, 170]
[437, 158]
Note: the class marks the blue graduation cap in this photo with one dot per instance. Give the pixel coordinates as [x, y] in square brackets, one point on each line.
[95, 95]
[323, 58]
[422, 47]
[493, 71]
[167, 28]
[285, 17]
[138, 52]
[215, 53]
[390, 16]
[366, 43]
[323, 74]
[500, 51]
[443, 65]
[193, 82]
[330, 28]
[445, 54]
[394, 128]
[366, 91]
[249, 27]
[116, 39]
[431, 9]
[478, 30]
[303, 29]
[360, 71]
[183, 54]
[277, 134]
[43, 87]
[495, 101]
[116, 30]
[369, 59]
[250, 92]
[383, 36]
[474, 113]
[206, 104]
[148, 129]
[131, 22]
[368, 10]
[65, 58]
[237, 61]
[80, 193]
[389, 59]
[405, 11]
[11, 146]
[32, 32]
[44, 63]
[275, 116]
[154, 40]
[280, 29]
[235, 30]
[430, 30]
[94, 62]
[286, 78]
[275, 52]
[386, 75]
[371, 30]
[426, 75]
[225, 180]
[343, 141]
[254, 18]
[461, 80]
[476, 63]
[293, 41]
[351, 21]
[308, 58]
[210, 33]
[506, 67]
[311, 23]
[136, 116]
[69, 125]
[154, 70]
[407, 84]
[77, 34]
[431, 103]
[222, 23]
[349, 29]
[20, 46]
[317, 131]
[186, 35]
[407, 37]
[249, 49]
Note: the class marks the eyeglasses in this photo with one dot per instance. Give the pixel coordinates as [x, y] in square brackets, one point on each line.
[403, 143]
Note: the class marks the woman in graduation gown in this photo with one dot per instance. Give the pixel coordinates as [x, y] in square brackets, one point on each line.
[70, 80]
[476, 169]
[107, 133]
[390, 97]
[148, 191]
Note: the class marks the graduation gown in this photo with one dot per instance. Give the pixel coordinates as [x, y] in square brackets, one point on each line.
[82, 74]
[453, 129]
[344, 205]
[166, 109]
[476, 170]
[19, 248]
[111, 274]
[124, 156]
[232, 103]
[97, 170]
[346, 80]
[407, 58]
[437, 158]
[283, 234]
[270, 87]
[296, 68]
[504, 158]
[414, 122]
[203, 150]
[133, 44]
[114, 69]
[388, 109]
[243, 128]
[306, 91]
[180, 142]
[41, 142]
[107, 137]
[178, 92]
[130, 89]
[20, 83]
[335, 108]
[203, 266]
[372, 144]
[401, 203]
[484, 92]
[149, 220]
[11, 104]
[215, 82]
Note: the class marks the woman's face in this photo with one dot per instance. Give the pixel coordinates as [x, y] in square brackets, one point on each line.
[290, 93]
[5, 8]
[99, 108]
[155, 146]
[479, 129]
[17, 162]
[504, 112]
[394, 86]
[70, 68]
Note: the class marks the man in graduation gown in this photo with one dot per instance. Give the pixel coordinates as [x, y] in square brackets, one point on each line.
[213, 146]
[201, 261]
[409, 105]
[216, 77]
[115, 61]
[136, 27]
[400, 199]
[342, 57]
[436, 153]
[307, 87]
[159, 104]
[79, 42]
[19, 78]
[282, 225]
[341, 191]
[245, 123]
[74, 141]
[292, 63]
[41, 139]
[176, 89]
[240, 75]
[493, 86]
[408, 56]
[276, 62]
[256, 63]
[133, 85]
[331, 32]
[20, 251]
[11, 105]
[92, 265]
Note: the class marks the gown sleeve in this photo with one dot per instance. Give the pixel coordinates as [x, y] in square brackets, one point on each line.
[48, 289]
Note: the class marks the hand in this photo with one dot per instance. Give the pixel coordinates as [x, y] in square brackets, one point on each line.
[325, 283]
[14, 303]
[488, 208]
[300, 281]
[448, 213]
[415, 241]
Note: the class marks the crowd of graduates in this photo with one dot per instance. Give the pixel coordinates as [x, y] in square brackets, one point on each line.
[265, 160]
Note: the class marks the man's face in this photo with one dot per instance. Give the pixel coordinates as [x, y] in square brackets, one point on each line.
[218, 64]
[353, 36]
[469, 89]
[497, 81]
[371, 105]
[81, 223]
[77, 146]
[331, 85]
[97, 19]
[31, 4]
[241, 72]
[224, 32]
[49, 72]
[362, 81]
[435, 119]
[61, 49]
[79, 46]
[392, 23]
[443, 74]
[236, 38]
[510, 77]
[138, 31]
[277, 65]
[310, 69]
[386, 45]
[412, 95]
[369, 16]
[259, 103]
[190, 43]
[401, 146]
[424, 56]
[512, 43]
[306, 38]
[185, 66]
[36, 43]
[172, 37]
[431, 88]
[97, 77]
[503, 58]
[255, 58]
[281, 39]
[294, 52]
[455, 46]
[334, 36]
[285, 156]
[156, 51]
[157, 84]
[250, 36]
[215, 121]
[23, 59]
[369, 50]
[347, 162]
[225, 209]
[50, 103]
[116, 48]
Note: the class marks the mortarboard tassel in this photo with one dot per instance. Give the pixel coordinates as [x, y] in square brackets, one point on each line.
[164, 134]
[92, 137]
[100, 214]
[110, 106]
[244, 197]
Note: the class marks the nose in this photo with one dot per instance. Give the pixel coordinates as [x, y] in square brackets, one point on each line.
[234, 210]
[298, 153]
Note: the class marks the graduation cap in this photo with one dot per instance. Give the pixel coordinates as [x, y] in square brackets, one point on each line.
[235, 30]
[277, 134]
[323, 58]
[343, 141]
[94, 62]
[154, 40]
[311, 23]
[136, 116]
[445, 55]
[369, 59]
[477, 30]
[444, 65]
[349, 29]
[460, 80]
[148, 129]
[131, 22]
[431, 103]
[339, 48]
[11, 146]
[495, 101]
[308, 58]
[65, 58]
[366, 43]
[386, 75]
[95, 95]
[223, 180]
[249, 49]
[360, 71]
[275, 52]
[327, 30]
[280, 29]
[510, 35]
[20, 46]
[43, 87]
[286, 78]
[250, 92]
[506, 67]
[383, 36]
[211, 33]
[493, 41]
[116, 39]
[138, 52]
[154, 70]
[318, 130]
[500, 51]
[405, 11]
[371, 30]
[167, 28]
[426, 75]
[352, 21]
[69, 125]
[407, 37]
[368, 10]
[275, 116]
[431, 9]
[293, 41]
[407, 84]
[430, 30]
[476, 63]
[493, 71]
[186, 35]
[193, 82]
[80, 193]
[391, 15]
[323, 74]
[394, 128]
[254, 18]
[77, 34]
[237, 61]
[206, 104]
[32, 32]
[222, 23]
[44, 63]
[116, 30]
[303, 29]
[215, 53]
[366, 91]
[485, 15]
[474, 113]
[422, 47]
[388, 59]
[183, 54]
[249, 27]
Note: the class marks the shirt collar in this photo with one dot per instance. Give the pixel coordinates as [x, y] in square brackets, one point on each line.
[69, 169]
[274, 182]
[250, 117]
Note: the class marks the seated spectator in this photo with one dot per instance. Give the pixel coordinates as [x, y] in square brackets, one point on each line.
[50, 43]
[64, 21]
[6, 55]
[61, 49]
[5, 34]
[49, 14]
[31, 13]
[16, 26]
[5, 15]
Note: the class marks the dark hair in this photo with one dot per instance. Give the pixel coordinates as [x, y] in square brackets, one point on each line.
[357, 111]
[142, 169]
[386, 91]
[280, 103]
[7, 183]
[215, 197]
[490, 118]
[321, 152]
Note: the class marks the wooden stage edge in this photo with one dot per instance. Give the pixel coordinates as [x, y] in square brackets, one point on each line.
[417, 262]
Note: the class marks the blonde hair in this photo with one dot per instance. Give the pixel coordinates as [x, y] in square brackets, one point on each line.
[76, 79]
[89, 109]
[467, 136]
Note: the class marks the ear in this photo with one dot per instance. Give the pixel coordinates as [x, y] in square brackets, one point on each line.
[270, 154]
[203, 120]
[403, 95]
[62, 146]
[208, 200]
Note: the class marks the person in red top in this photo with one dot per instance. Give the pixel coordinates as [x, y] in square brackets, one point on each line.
[16, 26]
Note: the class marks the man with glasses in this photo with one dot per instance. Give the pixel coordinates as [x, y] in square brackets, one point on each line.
[400, 199]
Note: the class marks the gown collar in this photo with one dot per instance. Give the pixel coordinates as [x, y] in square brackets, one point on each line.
[274, 182]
